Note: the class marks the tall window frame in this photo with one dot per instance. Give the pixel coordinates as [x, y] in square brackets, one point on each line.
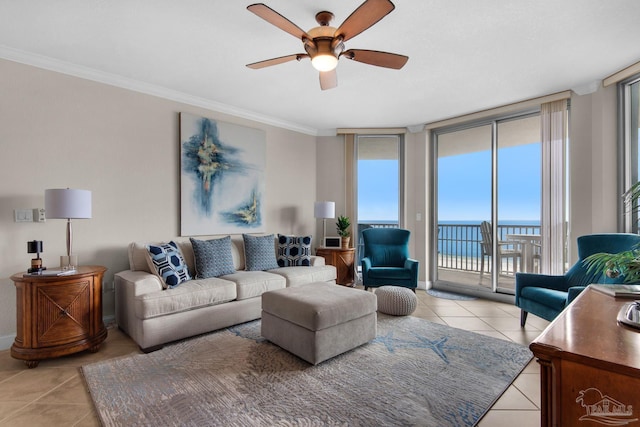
[361, 139]
[629, 147]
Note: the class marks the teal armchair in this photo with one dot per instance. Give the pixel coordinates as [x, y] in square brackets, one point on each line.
[546, 296]
[386, 259]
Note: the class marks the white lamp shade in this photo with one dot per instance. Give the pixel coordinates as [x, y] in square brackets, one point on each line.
[65, 203]
[324, 210]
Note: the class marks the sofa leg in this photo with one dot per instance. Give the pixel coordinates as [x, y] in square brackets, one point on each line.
[151, 349]
[523, 318]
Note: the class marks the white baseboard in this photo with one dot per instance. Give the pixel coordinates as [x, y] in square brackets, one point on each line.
[6, 341]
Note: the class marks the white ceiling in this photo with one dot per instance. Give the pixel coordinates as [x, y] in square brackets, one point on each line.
[464, 55]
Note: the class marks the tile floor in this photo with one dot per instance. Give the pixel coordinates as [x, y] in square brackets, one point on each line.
[53, 394]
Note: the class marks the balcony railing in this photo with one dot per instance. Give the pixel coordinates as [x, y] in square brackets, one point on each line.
[459, 245]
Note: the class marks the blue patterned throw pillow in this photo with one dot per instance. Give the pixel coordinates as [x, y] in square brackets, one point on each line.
[168, 263]
[213, 258]
[294, 251]
[259, 252]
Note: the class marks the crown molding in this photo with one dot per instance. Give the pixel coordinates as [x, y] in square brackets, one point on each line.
[52, 64]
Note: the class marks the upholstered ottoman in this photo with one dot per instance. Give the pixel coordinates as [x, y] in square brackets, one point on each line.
[396, 300]
[318, 321]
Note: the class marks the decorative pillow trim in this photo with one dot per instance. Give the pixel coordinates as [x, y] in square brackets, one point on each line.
[168, 264]
[294, 251]
[213, 257]
[259, 252]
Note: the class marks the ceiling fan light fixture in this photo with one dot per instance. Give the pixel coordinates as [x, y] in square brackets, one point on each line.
[324, 62]
[324, 44]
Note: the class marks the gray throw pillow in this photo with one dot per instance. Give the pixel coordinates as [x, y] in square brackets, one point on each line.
[213, 258]
[259, 252]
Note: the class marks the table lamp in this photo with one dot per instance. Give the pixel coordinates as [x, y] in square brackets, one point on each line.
[35, 247]
[324, 210]
[68, 204]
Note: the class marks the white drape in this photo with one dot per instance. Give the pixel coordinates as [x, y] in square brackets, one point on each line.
[553, 124]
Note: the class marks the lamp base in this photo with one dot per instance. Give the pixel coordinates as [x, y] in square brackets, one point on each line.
[68, 262]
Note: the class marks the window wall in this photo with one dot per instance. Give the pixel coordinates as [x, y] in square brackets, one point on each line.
[379, 195]
[629, 95]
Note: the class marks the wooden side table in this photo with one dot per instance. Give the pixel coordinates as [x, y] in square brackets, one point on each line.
[342, 260]
[58, 315]
[589, 365]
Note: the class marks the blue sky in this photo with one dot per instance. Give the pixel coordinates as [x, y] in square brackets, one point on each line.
[464, 186]
[377, 192]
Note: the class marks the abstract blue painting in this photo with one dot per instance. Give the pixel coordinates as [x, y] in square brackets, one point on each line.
[222, 177]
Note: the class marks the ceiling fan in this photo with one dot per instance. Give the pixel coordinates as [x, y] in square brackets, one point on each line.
[325, 44]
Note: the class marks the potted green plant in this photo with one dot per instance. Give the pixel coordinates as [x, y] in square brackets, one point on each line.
[342, 226]
[627, 262]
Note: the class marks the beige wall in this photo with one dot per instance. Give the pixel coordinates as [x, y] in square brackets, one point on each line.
[61, 131]
[593, 165]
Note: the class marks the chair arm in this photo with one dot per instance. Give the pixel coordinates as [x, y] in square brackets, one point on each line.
[366, 264]
[573, 292]
[412, 264]
[523, 280]
[514, 243]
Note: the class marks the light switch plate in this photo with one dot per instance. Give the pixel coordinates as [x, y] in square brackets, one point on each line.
[23, 215]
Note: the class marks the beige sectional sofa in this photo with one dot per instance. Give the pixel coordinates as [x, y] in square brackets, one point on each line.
[152, 315]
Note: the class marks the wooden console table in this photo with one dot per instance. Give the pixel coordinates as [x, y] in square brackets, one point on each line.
[58, 315]
[342, 260]
[589, 365]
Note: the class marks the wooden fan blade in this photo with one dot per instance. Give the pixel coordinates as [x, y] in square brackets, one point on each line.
[375, 57]
[273, 17]
[328, 79]
[276, 61]
[367, 14]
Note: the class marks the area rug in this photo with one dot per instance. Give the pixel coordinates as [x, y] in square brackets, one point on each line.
[449, 295]
[414, 373]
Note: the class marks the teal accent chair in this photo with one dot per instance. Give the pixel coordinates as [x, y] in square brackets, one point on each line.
[546, 296]
[386, 259]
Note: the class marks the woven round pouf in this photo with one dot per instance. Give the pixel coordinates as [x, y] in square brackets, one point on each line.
[396, 300]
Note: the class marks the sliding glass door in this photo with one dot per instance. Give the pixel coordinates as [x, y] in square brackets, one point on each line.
[519, 195]
[488, 192]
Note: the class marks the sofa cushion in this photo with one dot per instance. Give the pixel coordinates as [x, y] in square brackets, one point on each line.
[259, 252]
[250, 284]
[297, 276]
[390, 273]
[294, 251]
[212, 257]
[188, 296]
[166, 261]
